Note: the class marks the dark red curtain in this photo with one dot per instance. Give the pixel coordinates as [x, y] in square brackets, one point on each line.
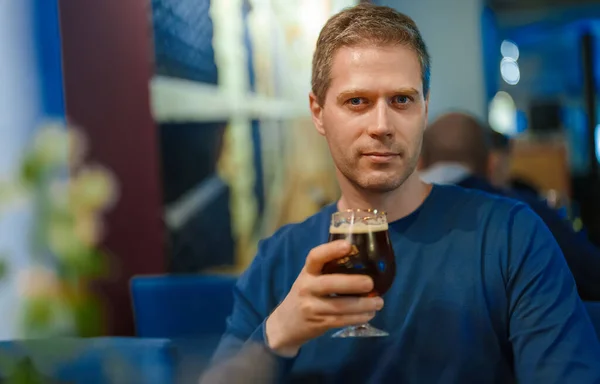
[107, 65]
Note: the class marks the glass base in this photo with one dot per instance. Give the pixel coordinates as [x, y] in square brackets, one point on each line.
[363, 330]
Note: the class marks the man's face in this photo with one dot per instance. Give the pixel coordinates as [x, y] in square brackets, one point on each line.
[374, 115]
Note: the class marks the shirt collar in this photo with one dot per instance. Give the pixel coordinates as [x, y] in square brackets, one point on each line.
[445, 173]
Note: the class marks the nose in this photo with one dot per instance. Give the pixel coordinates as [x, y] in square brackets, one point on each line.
[381, 126]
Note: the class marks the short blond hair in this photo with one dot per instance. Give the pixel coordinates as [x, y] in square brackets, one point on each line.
[365, 24]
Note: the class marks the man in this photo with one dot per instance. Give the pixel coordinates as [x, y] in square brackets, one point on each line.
[482, 293]
[456, 151]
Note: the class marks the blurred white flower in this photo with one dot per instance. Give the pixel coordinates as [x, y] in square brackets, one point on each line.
[59, 193]
[63, 241]
[93, 188]
[51, 145]
[88, 229]
[38, 282]
[77, 147]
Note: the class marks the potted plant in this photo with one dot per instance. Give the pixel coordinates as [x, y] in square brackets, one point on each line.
[68, 197]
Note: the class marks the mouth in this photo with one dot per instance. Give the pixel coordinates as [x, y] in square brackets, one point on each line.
[381, 157]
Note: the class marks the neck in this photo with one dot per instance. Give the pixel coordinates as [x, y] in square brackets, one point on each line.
[398, 203]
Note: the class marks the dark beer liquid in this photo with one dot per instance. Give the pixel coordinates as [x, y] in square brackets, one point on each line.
[371, 255]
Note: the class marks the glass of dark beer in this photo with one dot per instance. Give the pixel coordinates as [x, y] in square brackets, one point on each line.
[371, 254]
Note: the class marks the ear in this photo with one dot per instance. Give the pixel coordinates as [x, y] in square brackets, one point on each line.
[316, 111]
[427, 105]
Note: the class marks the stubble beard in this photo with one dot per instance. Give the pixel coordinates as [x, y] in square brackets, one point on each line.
[379, 184]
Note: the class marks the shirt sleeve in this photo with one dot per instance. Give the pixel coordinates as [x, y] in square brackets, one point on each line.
[552, 336]
[243, 354]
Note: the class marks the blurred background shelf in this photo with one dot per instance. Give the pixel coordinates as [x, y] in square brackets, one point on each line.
[178, 100]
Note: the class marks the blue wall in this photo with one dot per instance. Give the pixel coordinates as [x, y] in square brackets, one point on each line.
[48, 47]
[551, 67]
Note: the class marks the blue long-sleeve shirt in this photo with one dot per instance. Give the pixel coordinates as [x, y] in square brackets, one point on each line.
[482, 295]
[583, 257]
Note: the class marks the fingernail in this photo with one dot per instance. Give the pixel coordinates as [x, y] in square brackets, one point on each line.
[378, 303]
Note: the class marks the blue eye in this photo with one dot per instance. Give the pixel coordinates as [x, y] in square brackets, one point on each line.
[401, 99]
[355, 101]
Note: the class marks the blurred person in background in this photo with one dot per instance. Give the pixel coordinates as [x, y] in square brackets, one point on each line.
[482, 292]
[498, 164]
[500, 155]
[499, 160]
[456, 150]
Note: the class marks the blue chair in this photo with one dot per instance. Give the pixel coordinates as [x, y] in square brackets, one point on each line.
[593, 309]
[189, 310]
[90, 361]
[175, 306]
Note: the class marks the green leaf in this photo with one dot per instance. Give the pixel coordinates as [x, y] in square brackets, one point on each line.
[3, 266]
[38, 314]
[89, 318]
[24, 372]
[32, 170]
[87, 264]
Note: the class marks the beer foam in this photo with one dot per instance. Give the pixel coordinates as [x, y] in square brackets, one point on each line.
[358, 228]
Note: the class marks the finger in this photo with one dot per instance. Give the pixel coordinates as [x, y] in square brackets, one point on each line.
[325, 253]
[348, 305]
[325, 285]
